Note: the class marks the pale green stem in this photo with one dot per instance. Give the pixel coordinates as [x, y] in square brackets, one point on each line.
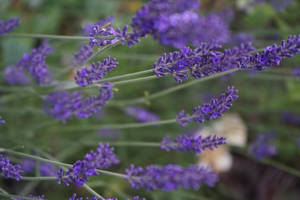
[39, 178]
[134, 80]
[47, 36]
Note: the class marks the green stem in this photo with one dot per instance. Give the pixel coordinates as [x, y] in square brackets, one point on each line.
[116, 126]
[172, 89]
[47, 36]
[135, 80]
[39, 178]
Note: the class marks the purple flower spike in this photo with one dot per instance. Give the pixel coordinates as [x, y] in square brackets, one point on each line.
[196, 144]
[2, 121]
[210, 111]
[15, 76]
[170, 177]
[102, 158]
[85, 52]
[141, 114]
[296, 72]
[42, 197]
[95, 198]
[262, 147]
[8, 25]
[86, 76]
[9, 170]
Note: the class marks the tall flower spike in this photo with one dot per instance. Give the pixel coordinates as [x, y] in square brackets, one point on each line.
[141, 114]
[35, 64]
[86, 76]
[85, 52]
[102, 158]
[9, 170]
[214, 109]
[262, 147]
[15, 76]
[8, 25]
[170, 177]
[63, 105]
[196, 144]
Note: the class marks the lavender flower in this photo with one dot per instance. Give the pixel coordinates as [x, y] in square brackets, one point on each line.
[15, 76]
[28, 164]
[90, 28]
[46, 169]
[86, 76]
[102, 158]
[171, 23]
[63, 105]
[170, 177]
[9, 170]
[95, 198]
[202, 61]
[42, 197]
[262, 147]
[141, 114]
[210, 111]
[196, 144]
[8, 25]
[242, 38]
[296, 72]
[290, 118]
[85, 52]
[2, 121]
[35, 64]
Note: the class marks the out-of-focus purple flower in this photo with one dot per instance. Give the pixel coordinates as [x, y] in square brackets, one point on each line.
[42, 197]
[196, 144]
[296, 72]
[242, 38]
[28, 164]
[262, 146]
[8, 25]
[171, 23]
[141, 115]
[63, 105]
[290, 118]
[9, 170]
[273, 55]
[202, 61]
[90, 28]
[85, 52]
[46, 169]
[170, 177]
[95, 198]
[35, 64]
[214, 109]
[102, 158]
[109, 133]
[15, 76]
[2, 121]
[87, 75]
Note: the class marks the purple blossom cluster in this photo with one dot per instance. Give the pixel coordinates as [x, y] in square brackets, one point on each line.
[46, 169]
[34, 63]
[296, 72]
[8, 25]
[177, 23]
[86, 76]
[2, 121]
[85, 52]
[202, 61]
[262, 146]
[42, 197]
[9, 170]
[290, 118]
[102, 158]
[63, 105]
[170, 177]
[214, 109]
[95, 198]
[141, 114]
[196, 144]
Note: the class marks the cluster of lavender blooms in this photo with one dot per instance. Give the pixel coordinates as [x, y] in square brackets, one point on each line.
[170, 177]
[63, 105]
[95, 198]
[262, 146]
[78, 174]
[8, 25]
[209, 111]
[196, 144]
[141, 115]
[9, 170]
[88, 75]
[290, 118]
[42, 197]
[46, 169]
[171, 22]
[34, 63]
[296, 72]
[2, 121]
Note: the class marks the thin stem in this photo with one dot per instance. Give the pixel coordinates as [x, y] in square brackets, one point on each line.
[11, 196]
[134, 80]
[117, 126]
[39, 178]
[172, 89]
[47, 36]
